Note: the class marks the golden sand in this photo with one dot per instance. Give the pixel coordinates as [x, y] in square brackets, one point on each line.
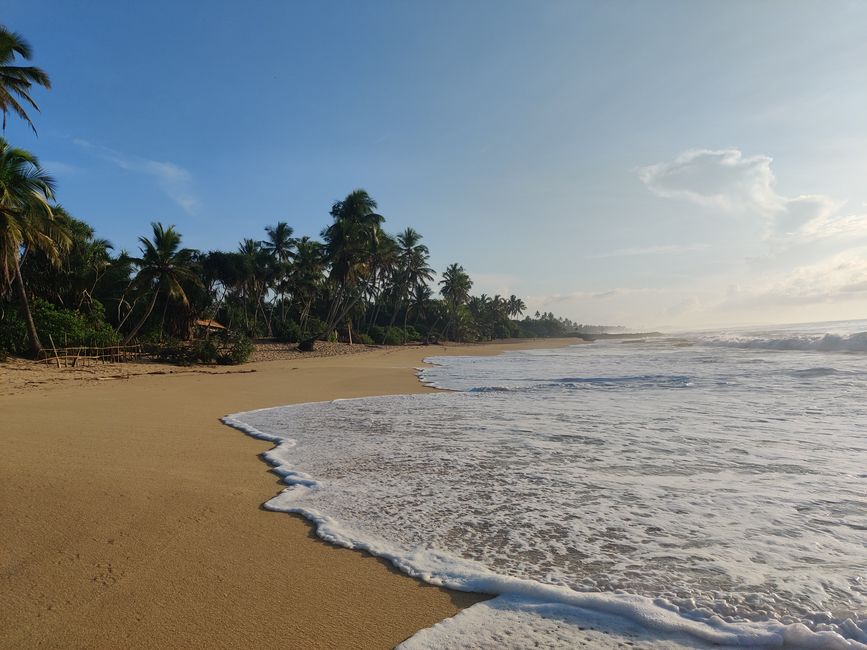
[131, 517]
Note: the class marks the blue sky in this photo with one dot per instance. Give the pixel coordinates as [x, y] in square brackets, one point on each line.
[649, 163]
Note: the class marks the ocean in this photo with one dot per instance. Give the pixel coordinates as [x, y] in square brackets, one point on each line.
[702, 489]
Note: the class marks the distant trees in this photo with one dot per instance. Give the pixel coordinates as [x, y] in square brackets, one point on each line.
[357, 279]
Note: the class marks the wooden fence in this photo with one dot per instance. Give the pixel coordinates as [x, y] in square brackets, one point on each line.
[83, 355]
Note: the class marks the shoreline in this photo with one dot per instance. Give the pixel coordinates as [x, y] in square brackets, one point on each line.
[134, 515]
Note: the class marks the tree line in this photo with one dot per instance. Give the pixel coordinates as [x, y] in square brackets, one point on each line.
[356, 283]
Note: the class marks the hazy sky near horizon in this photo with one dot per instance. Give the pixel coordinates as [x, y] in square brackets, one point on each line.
[655, 164]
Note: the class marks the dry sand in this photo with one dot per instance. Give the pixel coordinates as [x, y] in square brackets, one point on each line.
[130, 517]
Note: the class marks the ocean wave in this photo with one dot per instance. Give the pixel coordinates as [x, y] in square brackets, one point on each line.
[806, 342]
[531, 604]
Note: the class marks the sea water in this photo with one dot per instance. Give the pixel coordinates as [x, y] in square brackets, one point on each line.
[690, 491]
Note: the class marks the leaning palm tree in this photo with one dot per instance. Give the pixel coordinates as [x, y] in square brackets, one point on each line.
[162, 269]
[15, 80]
[26, 222]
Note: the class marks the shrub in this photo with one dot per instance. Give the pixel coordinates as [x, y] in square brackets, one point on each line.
[13, 332]
[66, 327]
[307, 345]
[394, 336]
[364, 339]
[238, 352]
[204, 351]
[288, 331]
[377, 333]
[313, 328]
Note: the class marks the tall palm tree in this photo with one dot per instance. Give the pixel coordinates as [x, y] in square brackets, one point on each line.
[26, 222]
[306, 275]
[162, 269]
[15, 80]
[351, 243]
[412, 270]
[455, 289]
[280, 245]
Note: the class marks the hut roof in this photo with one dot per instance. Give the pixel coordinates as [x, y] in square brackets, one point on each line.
[210, 324]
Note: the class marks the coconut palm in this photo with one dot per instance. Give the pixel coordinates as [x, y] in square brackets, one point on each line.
[351, 243]
[15, 80]
[163, 268]
[26, 223]
[455, 289]
[279, 243]
[516, 306]
[305, 276]
[411, 270]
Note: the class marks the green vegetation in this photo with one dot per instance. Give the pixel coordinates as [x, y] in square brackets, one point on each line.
[61, 284]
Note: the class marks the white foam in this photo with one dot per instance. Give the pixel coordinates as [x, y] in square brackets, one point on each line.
[595, 491]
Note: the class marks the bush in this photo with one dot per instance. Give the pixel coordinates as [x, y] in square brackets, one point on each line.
[66, 327]
[313, 328]
[411, 334]
[364, 339]
[13, 332]
[288, 332]
[377, 333]
[394, 336]
[307, 345]
[237, 353]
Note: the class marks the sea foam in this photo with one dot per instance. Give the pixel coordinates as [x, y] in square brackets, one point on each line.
[683, 497]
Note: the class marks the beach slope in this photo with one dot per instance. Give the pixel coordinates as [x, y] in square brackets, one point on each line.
[131, 516]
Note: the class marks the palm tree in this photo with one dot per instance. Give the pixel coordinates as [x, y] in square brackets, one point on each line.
[516, 306]
[305, 276]
[280, 243]
[455, 289]
[411, 272]
[15, 80]
[351, 243]
[162, 269]
[26, 222]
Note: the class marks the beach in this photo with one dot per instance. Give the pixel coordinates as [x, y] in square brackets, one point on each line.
[132, 516]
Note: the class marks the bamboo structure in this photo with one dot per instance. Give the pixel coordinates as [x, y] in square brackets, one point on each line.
[83, 355]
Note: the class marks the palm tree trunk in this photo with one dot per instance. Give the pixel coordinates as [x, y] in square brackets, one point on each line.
[140, 324]
[35, 345]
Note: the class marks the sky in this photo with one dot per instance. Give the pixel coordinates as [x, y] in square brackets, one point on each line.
[652, 164]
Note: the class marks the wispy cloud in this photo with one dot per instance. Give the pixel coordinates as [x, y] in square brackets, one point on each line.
[56, 167]
[172, 179]
[736, 184]
[662, 249]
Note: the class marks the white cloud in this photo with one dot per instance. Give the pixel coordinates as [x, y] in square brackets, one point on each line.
[736, 184]
[724, 179]
[839, 277]
[173, 180]
[662, 249]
